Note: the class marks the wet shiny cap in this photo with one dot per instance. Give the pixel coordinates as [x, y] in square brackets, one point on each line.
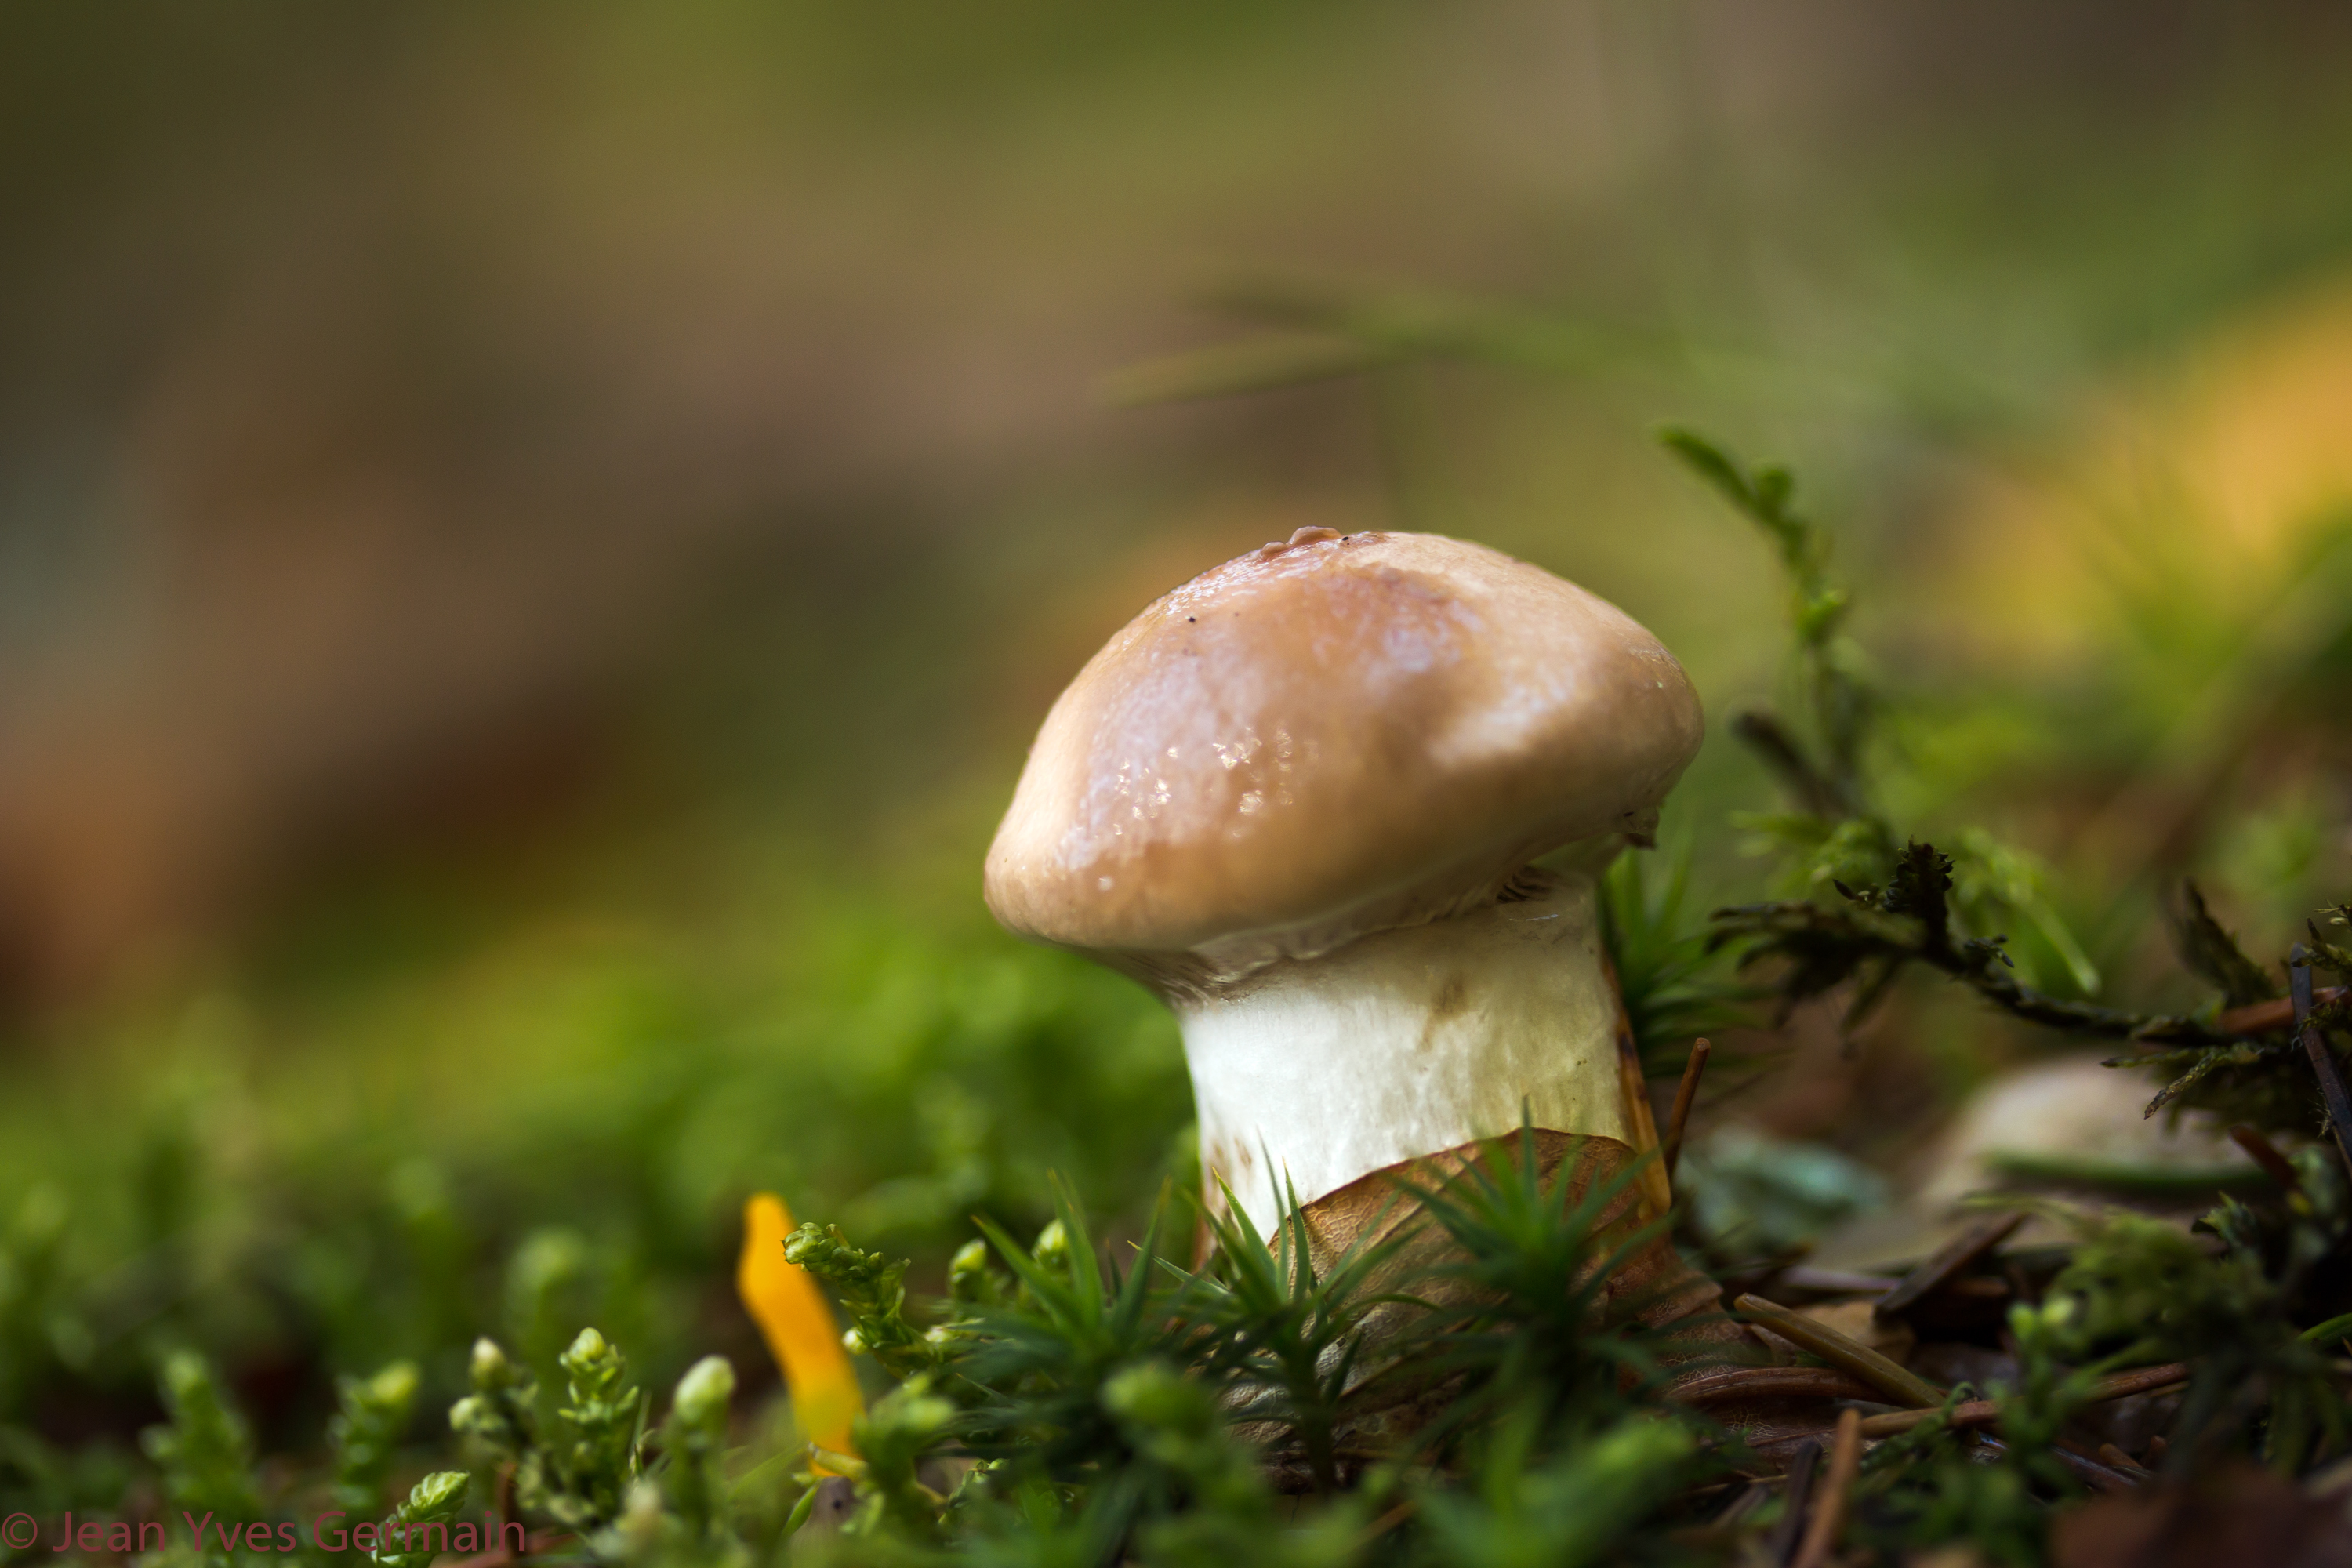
[1326, 737]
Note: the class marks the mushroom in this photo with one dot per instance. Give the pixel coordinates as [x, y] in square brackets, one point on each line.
[1301, 798]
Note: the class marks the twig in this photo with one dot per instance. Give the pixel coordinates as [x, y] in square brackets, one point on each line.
[2263, 1153]
[1947, 1261]
[1684, 1094]
[1768, 1381]
[2088, 1469]
[1877, 937]
[2270, 1017]
[2139, 1380]
[1987, 1412]
[1829, 1514]
[1793, 1496]
[1905, 1387]
[1386, 1523]
[2315, 1046]
[1833, 1281]
[1972, 1413]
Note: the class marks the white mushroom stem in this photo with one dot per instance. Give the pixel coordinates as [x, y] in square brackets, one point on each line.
[1410, 1042]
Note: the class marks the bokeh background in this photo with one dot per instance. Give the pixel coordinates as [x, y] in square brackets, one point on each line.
[532, 540]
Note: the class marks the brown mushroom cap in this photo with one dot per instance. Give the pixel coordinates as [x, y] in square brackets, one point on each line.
[1328, 737]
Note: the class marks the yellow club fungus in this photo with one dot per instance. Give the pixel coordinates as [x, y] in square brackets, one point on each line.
[798, 1325]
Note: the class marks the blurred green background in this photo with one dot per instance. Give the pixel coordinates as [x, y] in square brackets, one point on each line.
[532, 540]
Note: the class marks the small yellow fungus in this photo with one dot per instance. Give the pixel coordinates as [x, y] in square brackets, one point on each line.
[798, 1325]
